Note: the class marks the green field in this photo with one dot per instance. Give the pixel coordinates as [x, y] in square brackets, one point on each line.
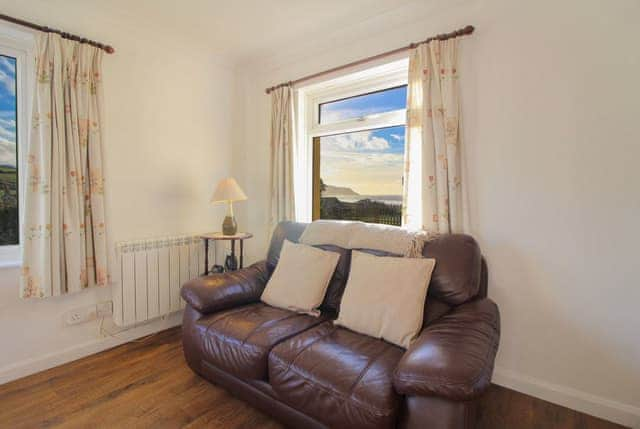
[9, 174]
[9, 226]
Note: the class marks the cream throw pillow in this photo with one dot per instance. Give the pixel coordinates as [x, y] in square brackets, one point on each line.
[384, 296]
[301, 278]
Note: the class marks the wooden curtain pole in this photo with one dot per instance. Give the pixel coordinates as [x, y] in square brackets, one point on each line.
[108, 49]
[461, 32]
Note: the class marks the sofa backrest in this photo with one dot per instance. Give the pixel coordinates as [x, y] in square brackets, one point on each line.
[458, 271]
[459, 275]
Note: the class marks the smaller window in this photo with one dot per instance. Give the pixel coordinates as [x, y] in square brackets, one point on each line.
[9, 219]
[360, 106]
[15, 93]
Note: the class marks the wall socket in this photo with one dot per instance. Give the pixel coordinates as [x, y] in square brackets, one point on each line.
[88, 313]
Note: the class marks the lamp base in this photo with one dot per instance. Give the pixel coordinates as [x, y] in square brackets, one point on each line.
[229, 226]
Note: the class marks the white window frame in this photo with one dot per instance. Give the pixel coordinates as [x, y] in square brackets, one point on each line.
[309, 99]
[20, 45]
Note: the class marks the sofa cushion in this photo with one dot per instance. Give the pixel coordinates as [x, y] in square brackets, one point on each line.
[385, 296]
[300, 280]
[337, 376]
[239, 340]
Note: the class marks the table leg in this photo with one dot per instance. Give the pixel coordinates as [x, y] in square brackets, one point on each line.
[233, 249]
[241, 252]
[206, 256]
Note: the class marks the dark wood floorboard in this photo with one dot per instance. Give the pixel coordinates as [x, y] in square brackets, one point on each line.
[147, 384]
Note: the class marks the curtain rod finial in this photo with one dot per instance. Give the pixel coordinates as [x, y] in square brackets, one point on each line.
[109, 49]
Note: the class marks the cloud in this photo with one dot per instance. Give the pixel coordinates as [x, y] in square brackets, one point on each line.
[8, 123]
[7, 153]
[7, 65]
[362, 141]
[333, 114]
[397, 136]
[9, 82]
[7, 134]
[365, 172]
[336, 115]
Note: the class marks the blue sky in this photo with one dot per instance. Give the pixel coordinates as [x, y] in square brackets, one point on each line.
[7, 110]
[369, 162]
[363, 105]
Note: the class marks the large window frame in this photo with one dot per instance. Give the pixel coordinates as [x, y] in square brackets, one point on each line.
[21, 46]
[310, 130]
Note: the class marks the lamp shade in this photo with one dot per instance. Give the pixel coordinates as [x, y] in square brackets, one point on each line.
[228, 190]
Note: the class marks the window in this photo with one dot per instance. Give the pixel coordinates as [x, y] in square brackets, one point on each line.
[361, 106]
[15, 48]
[9, 218]
[355, 127]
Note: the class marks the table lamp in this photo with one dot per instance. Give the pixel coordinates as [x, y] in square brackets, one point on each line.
[228, 191]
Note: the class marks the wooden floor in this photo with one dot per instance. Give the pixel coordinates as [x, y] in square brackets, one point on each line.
[147, 384]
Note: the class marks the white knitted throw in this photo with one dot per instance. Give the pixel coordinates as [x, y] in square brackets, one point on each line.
[360, 235]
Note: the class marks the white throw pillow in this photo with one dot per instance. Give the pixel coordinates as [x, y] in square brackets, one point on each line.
[301, 278]
[385, 296]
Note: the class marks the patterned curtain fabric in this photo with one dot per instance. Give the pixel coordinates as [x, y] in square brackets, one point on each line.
[64, 244]
[432, 194]
[282, 141]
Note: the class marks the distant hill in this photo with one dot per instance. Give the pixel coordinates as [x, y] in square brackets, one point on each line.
[334, 191]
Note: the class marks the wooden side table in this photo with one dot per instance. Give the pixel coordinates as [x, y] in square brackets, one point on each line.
[218, 236]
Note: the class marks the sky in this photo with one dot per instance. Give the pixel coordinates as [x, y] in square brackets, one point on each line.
[369, 162]
[7, 110]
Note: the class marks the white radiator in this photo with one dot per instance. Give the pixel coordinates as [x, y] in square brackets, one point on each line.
[151, 273]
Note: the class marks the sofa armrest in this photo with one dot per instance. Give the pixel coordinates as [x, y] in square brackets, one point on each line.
[217, 292]
[453, 357]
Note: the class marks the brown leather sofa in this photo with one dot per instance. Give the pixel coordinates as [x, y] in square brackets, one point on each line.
[308, 373]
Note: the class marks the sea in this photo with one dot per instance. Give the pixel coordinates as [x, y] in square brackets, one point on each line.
[387, 199]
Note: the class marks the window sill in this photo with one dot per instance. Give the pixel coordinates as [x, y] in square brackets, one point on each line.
[10, 264]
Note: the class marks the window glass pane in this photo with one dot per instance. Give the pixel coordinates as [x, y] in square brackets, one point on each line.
[387, 100]
[361, 175]
[9, 224]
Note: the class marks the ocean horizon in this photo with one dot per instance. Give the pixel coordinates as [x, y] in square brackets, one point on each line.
[387, 199]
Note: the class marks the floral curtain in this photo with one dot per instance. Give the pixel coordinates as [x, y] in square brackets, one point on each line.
[432, 194]
[64, 244]
[282, 141]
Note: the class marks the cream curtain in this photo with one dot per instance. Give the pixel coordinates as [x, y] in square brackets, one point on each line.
[432, 194]
[64, 244]
[282, 141]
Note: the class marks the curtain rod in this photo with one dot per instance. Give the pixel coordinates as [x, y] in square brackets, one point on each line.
[108, 49]
[461, 32]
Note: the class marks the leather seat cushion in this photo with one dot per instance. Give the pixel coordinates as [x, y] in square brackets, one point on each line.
[337, 376]
[239, 340]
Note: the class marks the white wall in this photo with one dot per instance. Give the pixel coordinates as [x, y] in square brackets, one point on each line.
[168, 108]
[551, 125]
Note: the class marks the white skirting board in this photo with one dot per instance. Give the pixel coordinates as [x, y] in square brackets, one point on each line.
[624, 414]
[50, 360]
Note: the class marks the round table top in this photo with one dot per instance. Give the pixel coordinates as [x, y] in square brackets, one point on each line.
[221, 236]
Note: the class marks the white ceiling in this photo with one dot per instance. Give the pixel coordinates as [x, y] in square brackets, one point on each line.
[243, 29]
[239, 30]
